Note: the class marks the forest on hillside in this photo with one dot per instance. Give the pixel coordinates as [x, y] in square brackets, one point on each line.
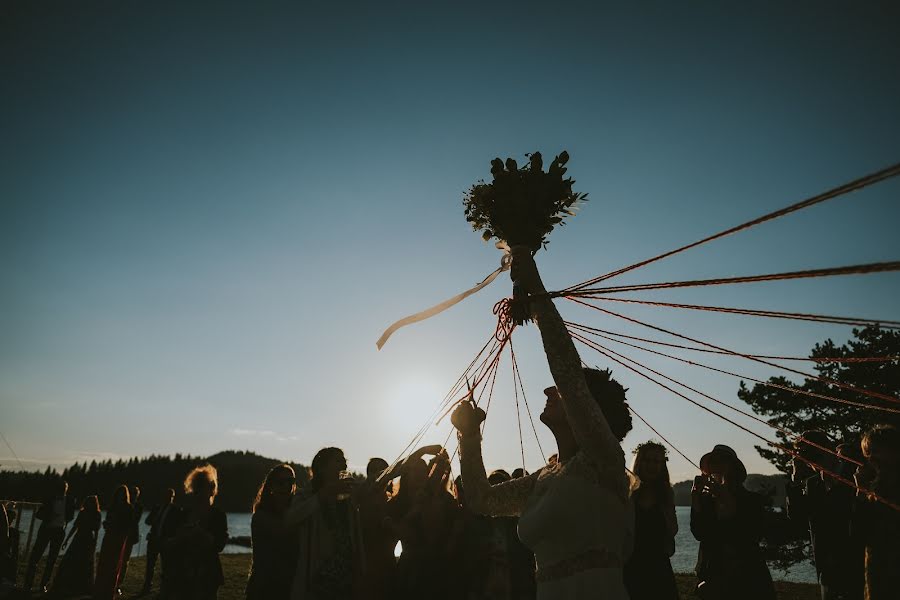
[240, 474]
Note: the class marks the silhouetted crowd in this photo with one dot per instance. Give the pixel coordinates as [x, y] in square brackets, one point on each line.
[406, 531]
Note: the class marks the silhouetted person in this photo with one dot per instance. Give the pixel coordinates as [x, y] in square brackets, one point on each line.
[727, 520]
[116, 528]
[75, 576]
[423, 515]
[331, 557]
[825, 505]
[275, 544]
[576, 514]
[160, 521]
[55, 512]
[134, 535]
[199, 537]
[876, 524]
[648, 573]
[379, 542]
[7, 564]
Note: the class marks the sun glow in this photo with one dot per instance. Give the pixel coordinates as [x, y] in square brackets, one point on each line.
[409, 403]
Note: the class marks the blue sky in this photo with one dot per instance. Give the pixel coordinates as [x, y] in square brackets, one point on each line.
[210, 214]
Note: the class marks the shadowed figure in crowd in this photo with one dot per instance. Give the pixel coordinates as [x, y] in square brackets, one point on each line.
[576, 514]
[825, 505]
[648, 573]
[134, 535]
[379, 541]
[75, 575]
[116, 529]
[877, 525]
[199, 537]
[161, 519]
[7, 564]
[727, 519]
[54, 513]
[330, 555]
[423, 515]
[275, 543]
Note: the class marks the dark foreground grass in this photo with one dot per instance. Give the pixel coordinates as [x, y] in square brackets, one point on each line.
[236, 567]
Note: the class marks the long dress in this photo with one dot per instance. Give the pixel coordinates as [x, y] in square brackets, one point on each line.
[117, 526]
[575, 515]
[75, 575]
[648, 573]
[275, 549]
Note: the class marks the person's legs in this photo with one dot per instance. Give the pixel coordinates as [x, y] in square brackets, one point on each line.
[126, 556]
[56, 536]
[40, 544]
[152, 554]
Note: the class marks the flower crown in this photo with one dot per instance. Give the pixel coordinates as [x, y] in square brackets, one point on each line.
[651, 444]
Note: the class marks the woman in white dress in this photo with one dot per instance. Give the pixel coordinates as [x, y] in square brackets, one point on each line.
[575, 514]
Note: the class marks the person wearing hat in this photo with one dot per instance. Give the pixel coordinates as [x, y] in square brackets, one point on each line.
[727, 520]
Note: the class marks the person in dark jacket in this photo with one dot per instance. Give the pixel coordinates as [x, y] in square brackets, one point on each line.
[824, 504]
[199, 537]
[727, 520]
[159, 520]
[275, 544]
[55, 512]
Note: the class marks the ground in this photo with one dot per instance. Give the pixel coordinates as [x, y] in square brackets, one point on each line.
[236, 567]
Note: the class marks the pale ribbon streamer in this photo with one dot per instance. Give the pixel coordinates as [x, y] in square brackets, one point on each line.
[505, 262]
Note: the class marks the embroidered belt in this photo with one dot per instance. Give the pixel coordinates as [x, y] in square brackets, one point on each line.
[592, 559]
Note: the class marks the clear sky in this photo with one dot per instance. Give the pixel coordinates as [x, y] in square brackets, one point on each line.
[209, 212]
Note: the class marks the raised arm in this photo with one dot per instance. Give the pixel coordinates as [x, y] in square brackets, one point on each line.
[589, 426]
[506, 499]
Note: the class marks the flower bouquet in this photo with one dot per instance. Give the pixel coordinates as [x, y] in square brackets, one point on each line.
[522, 205]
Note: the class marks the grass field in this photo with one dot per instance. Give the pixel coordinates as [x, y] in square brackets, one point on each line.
[236, 567]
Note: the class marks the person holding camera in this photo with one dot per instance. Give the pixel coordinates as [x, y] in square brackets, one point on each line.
[727, 520]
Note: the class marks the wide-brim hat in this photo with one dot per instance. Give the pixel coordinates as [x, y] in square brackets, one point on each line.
[726, 453]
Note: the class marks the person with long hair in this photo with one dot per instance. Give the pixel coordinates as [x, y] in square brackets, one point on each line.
[116, 528]
[728, 521]
[75, 575]
[648, 573]
[875, 524]
[199, 537]
[330, 558]
[275, 544]
[576, 514]
[423, 516]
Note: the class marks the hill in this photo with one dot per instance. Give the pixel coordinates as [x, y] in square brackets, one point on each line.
[240, 474]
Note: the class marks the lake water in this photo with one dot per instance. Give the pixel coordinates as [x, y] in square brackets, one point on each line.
[682, 561]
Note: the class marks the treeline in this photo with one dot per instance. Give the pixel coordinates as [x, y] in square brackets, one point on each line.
[240, 474]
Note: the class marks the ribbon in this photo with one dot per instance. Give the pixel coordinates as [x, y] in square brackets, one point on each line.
[505, 262]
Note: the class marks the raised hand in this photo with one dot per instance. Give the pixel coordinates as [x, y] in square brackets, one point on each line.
[467, 417]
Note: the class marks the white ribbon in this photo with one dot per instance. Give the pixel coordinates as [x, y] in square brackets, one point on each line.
[505, 262]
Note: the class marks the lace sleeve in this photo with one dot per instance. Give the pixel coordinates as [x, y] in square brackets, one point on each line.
[503, 500]
[589, 426]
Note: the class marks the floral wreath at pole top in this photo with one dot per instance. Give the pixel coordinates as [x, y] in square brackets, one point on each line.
[651, 445]
[522, 205]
